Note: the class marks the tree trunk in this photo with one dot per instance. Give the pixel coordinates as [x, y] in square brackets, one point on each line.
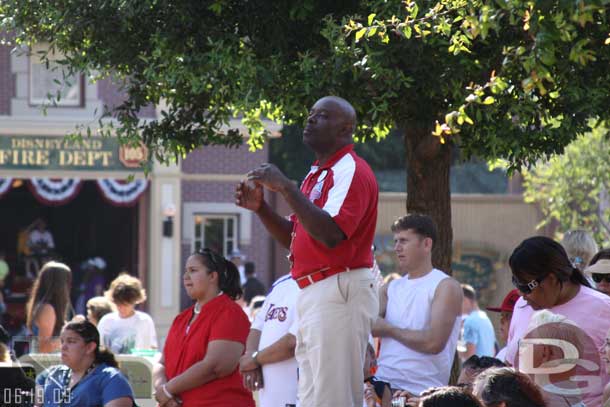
[427, 164]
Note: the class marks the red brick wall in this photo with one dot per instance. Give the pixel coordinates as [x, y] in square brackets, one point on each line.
[110, 95]
[223, 160]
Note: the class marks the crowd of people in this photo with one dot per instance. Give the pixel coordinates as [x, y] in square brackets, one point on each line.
[89, 374]
[424, 316]
[332, 333]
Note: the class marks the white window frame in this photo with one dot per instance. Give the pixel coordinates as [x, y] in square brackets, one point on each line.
[78, 85]
[226, 239]
[192, 209]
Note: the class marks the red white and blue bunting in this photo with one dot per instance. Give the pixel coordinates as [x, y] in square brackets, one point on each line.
[5, 185]
[55, 191]
[60, 191]
[122, 193]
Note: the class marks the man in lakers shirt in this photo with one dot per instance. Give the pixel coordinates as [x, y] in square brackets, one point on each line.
[268, 365]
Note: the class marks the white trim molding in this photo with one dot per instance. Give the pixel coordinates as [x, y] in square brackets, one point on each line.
[190, 209]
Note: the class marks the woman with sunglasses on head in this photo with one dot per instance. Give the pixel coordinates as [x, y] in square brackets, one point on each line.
[89, 375]
[199, 366]
[546, 279]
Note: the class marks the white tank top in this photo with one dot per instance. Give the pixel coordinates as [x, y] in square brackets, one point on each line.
[409, 303]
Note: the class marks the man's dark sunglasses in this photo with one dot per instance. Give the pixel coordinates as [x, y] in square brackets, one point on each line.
[528, 287]
[599, 277]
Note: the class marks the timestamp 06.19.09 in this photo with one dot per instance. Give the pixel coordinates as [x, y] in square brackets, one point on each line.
[16, 396]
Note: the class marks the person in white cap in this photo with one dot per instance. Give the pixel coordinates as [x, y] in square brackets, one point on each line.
[599, 270]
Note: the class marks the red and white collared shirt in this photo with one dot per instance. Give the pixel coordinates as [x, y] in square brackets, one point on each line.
[345, 187]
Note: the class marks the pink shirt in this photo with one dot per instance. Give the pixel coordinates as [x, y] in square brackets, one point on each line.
[589, 310]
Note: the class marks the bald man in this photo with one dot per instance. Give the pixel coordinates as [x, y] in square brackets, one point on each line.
[329, 235]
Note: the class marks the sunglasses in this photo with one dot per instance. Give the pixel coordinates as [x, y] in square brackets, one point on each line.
[528, 287]
[218, 262]
[598, 277]
[210, 254]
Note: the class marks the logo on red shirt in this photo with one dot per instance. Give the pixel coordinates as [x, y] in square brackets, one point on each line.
[316, 191]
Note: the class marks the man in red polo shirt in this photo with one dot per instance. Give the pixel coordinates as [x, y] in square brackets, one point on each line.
[330, 235]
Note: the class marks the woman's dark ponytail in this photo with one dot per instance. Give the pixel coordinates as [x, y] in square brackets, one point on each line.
[89, 333]
[577, 277]
[103, 355]
[230, 281]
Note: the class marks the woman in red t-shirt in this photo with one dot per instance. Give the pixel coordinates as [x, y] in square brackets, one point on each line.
[200, 361]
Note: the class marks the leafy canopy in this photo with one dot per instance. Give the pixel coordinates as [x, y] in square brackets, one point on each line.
[574, 188]
[515, 79]
[202, 61]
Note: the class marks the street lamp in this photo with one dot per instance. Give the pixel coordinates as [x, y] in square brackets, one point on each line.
[169, 211]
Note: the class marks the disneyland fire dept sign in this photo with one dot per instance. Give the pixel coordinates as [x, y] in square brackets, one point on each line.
[60, 153]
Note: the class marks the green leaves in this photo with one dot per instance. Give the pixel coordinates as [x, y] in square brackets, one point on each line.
[360, 33]
[516, 45]
[412, 9]
[580, 54]
[514, 79]
[572, 188]
[370, 18]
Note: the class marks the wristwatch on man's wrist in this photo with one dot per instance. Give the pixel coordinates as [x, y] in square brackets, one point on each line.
[254, 355]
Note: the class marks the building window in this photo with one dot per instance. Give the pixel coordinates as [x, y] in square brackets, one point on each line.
[51, 83]
[217, 232]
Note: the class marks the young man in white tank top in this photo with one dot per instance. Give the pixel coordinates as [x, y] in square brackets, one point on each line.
[419, 318]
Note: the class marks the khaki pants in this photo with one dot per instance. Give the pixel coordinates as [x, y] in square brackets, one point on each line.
[335, 317]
